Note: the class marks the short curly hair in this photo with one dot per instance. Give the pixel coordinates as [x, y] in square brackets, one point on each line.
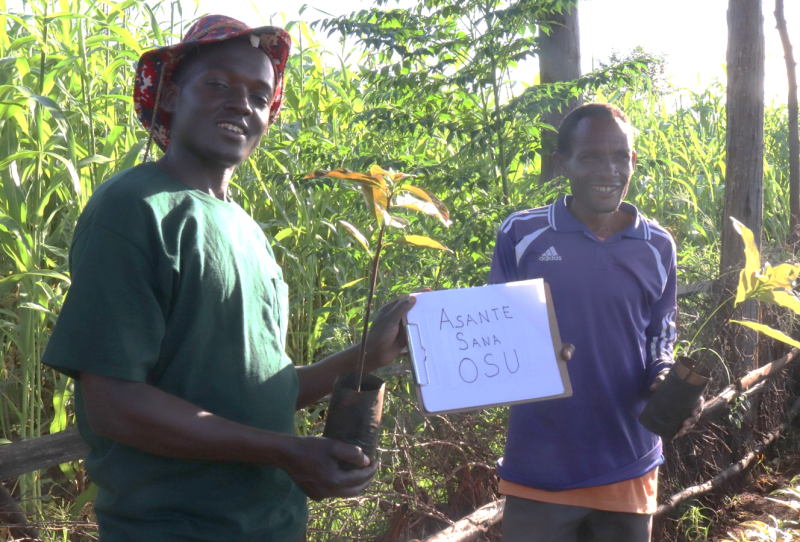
[566, 131]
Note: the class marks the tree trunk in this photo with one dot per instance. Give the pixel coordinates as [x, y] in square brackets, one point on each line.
[559, 60]
[744, 183]
[794, 141]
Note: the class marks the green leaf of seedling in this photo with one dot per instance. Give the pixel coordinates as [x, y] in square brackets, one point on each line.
[769, 332]
[422, 241]
[781, 296]
[357, 234]
[782, 276]
[748, 282]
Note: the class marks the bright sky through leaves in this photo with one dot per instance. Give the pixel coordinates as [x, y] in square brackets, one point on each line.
[692, 33]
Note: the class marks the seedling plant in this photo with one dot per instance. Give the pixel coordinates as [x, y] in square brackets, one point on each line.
[383, 192]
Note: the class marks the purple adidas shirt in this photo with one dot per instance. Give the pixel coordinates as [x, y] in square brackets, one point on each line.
[616, 301]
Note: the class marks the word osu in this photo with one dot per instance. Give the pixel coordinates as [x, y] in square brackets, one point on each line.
[469, 372]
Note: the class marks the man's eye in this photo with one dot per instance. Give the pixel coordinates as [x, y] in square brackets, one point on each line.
[260, 100]
[216, 84]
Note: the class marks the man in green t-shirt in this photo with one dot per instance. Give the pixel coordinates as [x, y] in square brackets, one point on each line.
[175, 322]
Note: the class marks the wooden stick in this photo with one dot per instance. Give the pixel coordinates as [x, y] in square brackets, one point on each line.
[749, 380]
[40, 453]
[730, 472]
[473, 526]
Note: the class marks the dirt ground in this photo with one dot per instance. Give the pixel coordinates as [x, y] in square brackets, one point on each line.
[747, 498]
[753, 501]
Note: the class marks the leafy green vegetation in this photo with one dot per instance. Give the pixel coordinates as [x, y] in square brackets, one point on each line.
[432, 95]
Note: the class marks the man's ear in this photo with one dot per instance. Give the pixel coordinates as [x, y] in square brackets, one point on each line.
[559, 161]
[169, 96]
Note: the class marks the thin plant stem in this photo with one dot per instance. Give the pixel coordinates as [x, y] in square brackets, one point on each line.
[691, 343]
[375, 262]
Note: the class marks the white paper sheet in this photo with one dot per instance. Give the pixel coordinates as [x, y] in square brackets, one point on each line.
[483, 346]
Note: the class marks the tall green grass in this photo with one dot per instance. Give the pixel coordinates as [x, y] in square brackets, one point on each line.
[67, 123]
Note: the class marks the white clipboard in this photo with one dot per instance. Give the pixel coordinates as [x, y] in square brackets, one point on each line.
[484, 347]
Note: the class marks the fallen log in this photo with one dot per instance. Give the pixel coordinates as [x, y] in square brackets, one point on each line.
[476, 524]
[473, 526]
[748, 381]
[28, 455]
[730, 472]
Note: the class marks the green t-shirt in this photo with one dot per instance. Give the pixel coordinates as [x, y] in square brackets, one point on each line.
[173, 287]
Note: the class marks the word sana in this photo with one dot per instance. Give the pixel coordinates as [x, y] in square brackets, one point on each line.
[485, 341]
[490, 366]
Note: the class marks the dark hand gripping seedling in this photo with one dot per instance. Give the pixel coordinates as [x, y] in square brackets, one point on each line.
[676, 397]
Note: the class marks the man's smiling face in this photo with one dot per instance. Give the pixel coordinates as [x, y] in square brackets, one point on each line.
[220, 106]
[601, 163]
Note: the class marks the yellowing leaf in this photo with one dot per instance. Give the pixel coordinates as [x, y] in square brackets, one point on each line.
[422, 241]
[781, 296]
[747, 278]
[431, 205]
[370, 202]
[394, 221]
[782, 276]
[341, 173]
[397, 177]
[352, 283]
[768, 331]
[377, 171]
[357, 234]
[376, 202]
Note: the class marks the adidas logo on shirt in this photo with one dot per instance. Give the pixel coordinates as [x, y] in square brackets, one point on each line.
[550, 255]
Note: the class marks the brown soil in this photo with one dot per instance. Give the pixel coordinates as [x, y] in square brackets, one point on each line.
[752, 502]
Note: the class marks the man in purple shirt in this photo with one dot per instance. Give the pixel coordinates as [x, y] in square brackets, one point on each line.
[612, 274]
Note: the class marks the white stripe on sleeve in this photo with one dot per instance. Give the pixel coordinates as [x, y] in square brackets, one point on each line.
[526, 241]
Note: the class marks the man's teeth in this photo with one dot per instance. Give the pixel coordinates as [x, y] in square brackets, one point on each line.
[231, 127]
[605, 188]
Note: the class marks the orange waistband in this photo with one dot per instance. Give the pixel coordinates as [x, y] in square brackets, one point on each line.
[636, 496]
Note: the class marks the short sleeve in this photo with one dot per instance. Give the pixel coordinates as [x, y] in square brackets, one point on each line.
[113, 319]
